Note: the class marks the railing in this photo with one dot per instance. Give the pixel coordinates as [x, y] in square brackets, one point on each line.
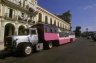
[19, 19]
[6, 16]
[15, 2]
[25, 20]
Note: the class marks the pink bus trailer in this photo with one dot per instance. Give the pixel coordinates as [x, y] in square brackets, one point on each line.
[50, 36]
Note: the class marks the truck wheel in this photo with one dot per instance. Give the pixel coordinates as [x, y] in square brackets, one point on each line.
[25, 49]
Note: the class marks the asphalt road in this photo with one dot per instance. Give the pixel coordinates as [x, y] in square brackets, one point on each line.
[81, 51]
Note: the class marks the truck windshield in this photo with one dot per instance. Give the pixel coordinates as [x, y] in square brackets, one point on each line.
[23, 32]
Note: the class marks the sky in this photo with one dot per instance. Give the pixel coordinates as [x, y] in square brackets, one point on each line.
[83, 11]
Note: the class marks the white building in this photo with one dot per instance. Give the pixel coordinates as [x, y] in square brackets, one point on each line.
[16, 15]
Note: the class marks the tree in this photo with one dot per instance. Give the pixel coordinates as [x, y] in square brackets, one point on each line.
[86, 29]
[78, 31]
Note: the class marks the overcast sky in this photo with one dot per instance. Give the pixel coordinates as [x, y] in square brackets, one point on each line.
[83, 11]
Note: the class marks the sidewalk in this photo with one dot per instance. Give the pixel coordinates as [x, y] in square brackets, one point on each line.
[1, 46]
[3, 53]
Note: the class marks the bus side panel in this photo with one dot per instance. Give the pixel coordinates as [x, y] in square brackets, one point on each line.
[50, 36]
[64, 40]
[72, 37]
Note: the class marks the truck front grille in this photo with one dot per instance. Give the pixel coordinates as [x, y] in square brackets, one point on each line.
[8, 41]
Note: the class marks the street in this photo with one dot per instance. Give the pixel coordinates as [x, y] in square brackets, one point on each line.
[81, 51]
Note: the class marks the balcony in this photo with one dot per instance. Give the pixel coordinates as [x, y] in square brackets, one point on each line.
[25, 20]
[13, 18]
[15, 2]
[22, 19]
[29, 9]
[33, 6]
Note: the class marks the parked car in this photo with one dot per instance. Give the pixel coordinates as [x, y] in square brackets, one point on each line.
[94, 37]
[90, 35]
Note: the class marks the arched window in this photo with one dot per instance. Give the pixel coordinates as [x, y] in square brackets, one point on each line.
[40, 17]
[21, 30]
[63, 25]
[46, 20]
[58, 24]
[55, 22]
[9, 29]
[51, 21]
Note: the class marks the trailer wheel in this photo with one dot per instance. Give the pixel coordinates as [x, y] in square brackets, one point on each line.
[50, 45]
[25, 49]
[71, 40]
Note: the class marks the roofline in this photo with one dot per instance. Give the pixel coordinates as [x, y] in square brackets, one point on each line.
[39, 7]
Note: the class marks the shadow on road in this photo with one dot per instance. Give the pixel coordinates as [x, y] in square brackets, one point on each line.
[4, 54]
[91, 40]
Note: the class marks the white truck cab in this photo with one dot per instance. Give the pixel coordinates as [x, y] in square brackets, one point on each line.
[24, 44]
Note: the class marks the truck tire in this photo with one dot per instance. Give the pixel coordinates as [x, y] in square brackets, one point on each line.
[25, 49]
[39, 47]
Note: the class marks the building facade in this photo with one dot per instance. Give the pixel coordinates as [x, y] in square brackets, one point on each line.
[17, 15]
[48, 18]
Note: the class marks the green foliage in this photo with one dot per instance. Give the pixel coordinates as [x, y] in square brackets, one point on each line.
[78, 31]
